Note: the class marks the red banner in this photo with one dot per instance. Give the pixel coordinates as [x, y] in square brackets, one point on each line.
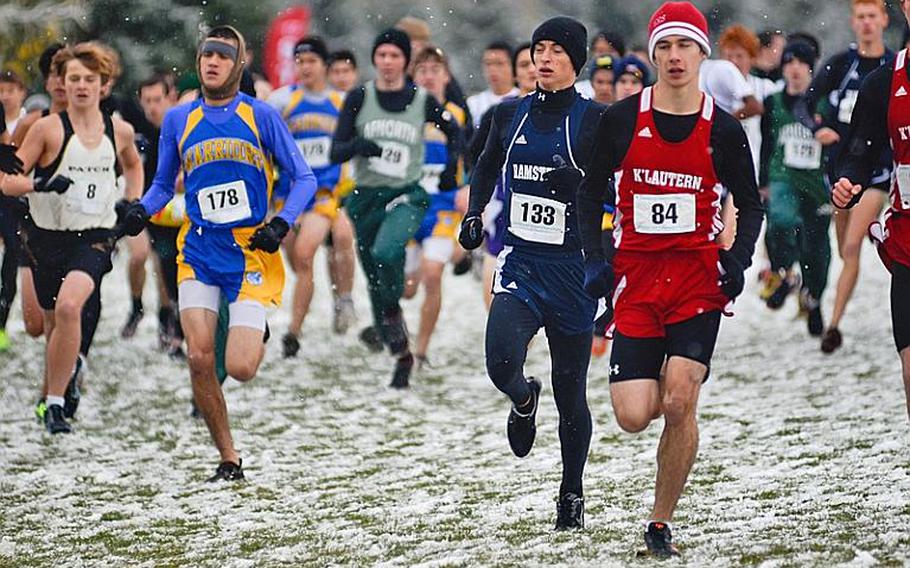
[283, 34]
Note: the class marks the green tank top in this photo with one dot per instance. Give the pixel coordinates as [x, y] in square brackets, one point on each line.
[797, 157]
[399, 134]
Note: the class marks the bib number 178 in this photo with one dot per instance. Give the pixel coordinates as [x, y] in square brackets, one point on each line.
[222, 198]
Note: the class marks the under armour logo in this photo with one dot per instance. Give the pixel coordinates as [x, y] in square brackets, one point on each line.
[541, 96]
[614, 370]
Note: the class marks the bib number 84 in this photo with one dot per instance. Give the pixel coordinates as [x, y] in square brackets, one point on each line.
[662, 213]
[538, 214]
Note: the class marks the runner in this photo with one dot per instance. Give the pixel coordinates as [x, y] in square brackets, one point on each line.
[380, 128]
[882, 115]
[343, 74]
[499, 74]
[799, 209]
[839, 81]
[602, 76]
[442, 176]
[538, 144]
[310, 109]
[225, 143]
[75, 156]
[669, 151]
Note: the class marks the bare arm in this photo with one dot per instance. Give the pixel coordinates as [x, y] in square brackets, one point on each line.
[129, 160]
[29, 152]
[751, 107]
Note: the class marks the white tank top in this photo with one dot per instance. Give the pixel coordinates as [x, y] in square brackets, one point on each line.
[89, 202]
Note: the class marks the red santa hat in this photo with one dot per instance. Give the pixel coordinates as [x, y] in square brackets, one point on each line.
[678, 19]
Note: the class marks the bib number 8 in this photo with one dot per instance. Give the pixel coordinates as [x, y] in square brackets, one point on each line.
[661, 213]
[90, 194]
[538, 214]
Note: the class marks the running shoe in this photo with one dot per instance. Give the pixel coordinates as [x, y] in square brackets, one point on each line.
[55, 421]
[41, 410]
[228, 471]
[394, 332]
[599, 346]
[832, 340]
[401, 376]
[570, 512]
[659, 541]
[4, 340]
[73, 394]
[770, 282]
[345, 316]
[788, 284]
[132, 323]
[464, 265]
[521, 428]
[370, 337]
[290, 345]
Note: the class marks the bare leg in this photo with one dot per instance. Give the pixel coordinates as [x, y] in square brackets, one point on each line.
[679, 441]
[313, 230]
[139, 253]
[244, 352]
[32, 314]
[65, 330]
[432, 302]
[343, 249]
[489, 271]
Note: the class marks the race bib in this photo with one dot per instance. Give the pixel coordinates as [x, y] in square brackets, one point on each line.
[903, 185]
[316, 151]
[802, 153]
[537, 219]
[845, 108]
[83, 196]
[394, 160]
[430, 177]
[225, 203]
[664, 214]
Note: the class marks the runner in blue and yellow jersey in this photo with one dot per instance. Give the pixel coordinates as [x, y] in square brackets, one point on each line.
[225, 143]
[443, 174]
[310, 108]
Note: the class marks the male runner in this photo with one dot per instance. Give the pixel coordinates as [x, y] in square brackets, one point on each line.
[670, 151]
[442, 176]
[75, 156]
[343, 70]
[225, 143]
[882, 115]
[381, 128]
[499, 74]
[311, 112]
[839, 81]
[537, 144]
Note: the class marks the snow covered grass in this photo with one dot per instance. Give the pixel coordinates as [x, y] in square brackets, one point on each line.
[804, 457]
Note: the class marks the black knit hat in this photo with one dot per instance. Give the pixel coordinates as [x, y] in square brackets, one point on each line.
[567, 32]
[314, 45]
[397, 38]
[800, 51]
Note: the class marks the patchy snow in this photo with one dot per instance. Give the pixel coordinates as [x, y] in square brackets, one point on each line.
[803, 456]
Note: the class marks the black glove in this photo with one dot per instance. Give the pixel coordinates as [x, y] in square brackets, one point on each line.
[131, 217]
[598, 277]
[9, 161]
[268, 237]
[471, 235]
[564, 177]
[732, 281]
[366, 148]
[58, 184]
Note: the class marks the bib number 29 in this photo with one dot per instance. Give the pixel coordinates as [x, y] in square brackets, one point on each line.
[538, 214]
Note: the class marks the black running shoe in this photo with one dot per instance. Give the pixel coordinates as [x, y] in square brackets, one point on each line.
[55, 421]
[522, 428]
[659, 540]
[176, 353]
[832, 340]
[132, 323]
[290, 345]
[394, 332]
[228, 471]
[194, 410]
[370, 337]
[464, 265]
[815, 322]
[570, 512]
[777, 298]
[401, 377]
[72, 395]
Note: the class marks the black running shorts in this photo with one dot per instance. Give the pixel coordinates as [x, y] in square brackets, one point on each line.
[900, 305]
[57, 253]
[643, 357]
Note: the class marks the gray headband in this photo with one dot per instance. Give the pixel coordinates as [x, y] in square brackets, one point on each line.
[221, 47]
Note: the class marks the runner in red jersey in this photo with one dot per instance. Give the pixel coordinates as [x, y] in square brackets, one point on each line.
[668, 151]
[882, 115]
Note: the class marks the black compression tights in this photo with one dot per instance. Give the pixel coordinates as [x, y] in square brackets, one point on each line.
[91, 313]
[510, 326]
[10, 269]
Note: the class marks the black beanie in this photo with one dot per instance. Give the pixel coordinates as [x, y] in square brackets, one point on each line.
[312, 44]
[567, 32]
[397, 38]
[798, 50]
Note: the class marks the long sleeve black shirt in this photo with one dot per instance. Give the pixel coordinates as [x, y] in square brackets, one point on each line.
[730, 154]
